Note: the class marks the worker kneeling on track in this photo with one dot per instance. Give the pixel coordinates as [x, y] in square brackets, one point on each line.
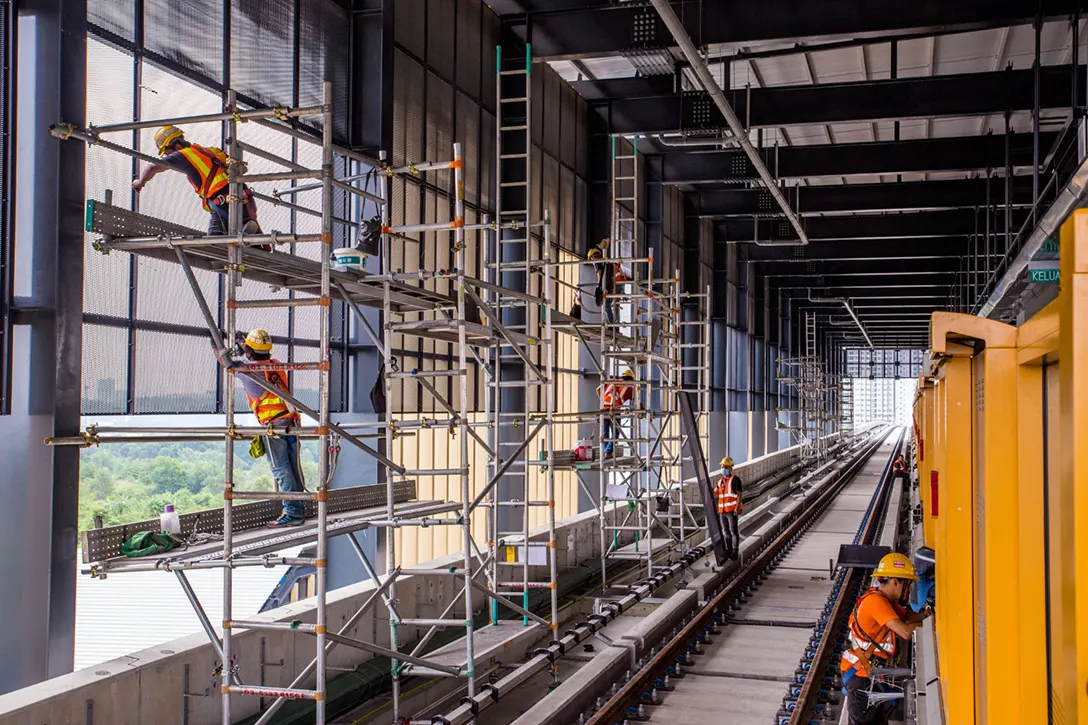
[877, 620]
[728, 493]
[206, 169]
[272, 410]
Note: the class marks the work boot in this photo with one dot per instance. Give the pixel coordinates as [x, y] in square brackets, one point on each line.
[284, 521]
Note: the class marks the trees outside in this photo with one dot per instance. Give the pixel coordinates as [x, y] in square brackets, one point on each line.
[133, 481]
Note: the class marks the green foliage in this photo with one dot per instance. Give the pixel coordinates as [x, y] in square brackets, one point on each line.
[133, 481]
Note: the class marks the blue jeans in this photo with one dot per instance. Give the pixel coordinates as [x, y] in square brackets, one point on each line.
[610, 310]
[283, 457]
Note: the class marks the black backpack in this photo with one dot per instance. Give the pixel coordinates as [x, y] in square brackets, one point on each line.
[377, 393]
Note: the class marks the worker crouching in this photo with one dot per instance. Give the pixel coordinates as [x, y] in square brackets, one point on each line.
[206, 169]
[728, 493]
[272, 410]
[876, 624]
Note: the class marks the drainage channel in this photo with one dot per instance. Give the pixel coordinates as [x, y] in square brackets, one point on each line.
[759, 638]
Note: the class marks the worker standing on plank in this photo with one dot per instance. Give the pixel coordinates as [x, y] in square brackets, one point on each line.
[270, 409]
[609, 277]
[613, 397]
[728, 494]
[875, 624]
[206, 169]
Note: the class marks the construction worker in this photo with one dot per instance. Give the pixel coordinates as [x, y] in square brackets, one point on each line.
[728, 493]
[613, 397]
[899, 467]
[206, 169]
[875, 624]
[282, 449]
[609, 277]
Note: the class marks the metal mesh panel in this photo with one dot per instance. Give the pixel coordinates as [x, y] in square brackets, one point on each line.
[568, 132]
[439, 127]
[469, 19]
[174, 373]
[188, 33]
[552, 108]
[582, 137]
[114, 16]
[440, 27]
[581, 205]
[407, 109]
[468, 130]
[262, 61]
[324, 55]
[409, 26]
[109, 100]
[492, 30]
[551, 186]
[487, 159]
[105, 366]
[539, 102]
[567, 211]
[535, 183]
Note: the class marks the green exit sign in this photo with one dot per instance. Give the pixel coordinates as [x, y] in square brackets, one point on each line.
[1043, 275]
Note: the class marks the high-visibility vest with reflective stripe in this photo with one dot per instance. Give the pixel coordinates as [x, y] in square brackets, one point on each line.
[866, 643]
[728, 500]
[211, 166]
[268, 406]
[613, 396]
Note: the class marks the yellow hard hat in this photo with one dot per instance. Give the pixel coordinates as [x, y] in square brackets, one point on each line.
[259, 340]
[595, 253]
[895, 566]
[166, 136]
[628, 374]
[727, 462]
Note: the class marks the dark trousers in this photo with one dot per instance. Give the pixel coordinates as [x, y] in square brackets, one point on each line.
[219, 218]
[731, 533]
[857, 704]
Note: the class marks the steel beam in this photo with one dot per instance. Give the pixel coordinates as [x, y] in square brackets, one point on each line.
[596, 28]
[971, 153]
[967, 94]
[948, 223]
[906, 196]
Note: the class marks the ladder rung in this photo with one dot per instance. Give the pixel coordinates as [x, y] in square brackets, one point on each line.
[519, 99]
[519, 127]
[625, 156]
[519, 72]
[514, 212]
[623, 178]
[513, 183]
[513, 156]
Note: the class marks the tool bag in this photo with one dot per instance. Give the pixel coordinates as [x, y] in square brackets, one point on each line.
[147, 543]
[576, 307]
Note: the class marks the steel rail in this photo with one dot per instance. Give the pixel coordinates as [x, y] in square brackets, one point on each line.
[806, 698]
[615, 710]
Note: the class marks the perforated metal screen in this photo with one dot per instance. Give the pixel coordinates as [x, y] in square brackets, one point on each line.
[145, 345]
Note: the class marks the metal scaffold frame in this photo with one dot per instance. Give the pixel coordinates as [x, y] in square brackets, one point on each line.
[817, 394]
[512, 347]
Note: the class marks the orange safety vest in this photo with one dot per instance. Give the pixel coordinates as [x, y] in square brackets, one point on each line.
[613, 396]
[211, 164]
[728, 500]
[864, 646]
[899, 465]
[618, 274]
[268, 406]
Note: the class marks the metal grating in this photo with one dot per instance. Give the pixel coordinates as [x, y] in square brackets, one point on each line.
[324, 55]
[440, 28]
[113, 16]
[468, 132]
[552, 103]
[568, 122]
[105, 543]
[409, 20]
[105, 367]
[469, 20]
[200, 51]
[262, 60]
[439, 128]
[158, 386]
[567, 210]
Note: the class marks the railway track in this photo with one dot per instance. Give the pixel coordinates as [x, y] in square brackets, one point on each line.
[749, 654]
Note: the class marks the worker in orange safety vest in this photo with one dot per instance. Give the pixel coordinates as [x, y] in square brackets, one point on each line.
[206, 170]
[728, 494]
[272, 410]
[613, 397]
[876, 624]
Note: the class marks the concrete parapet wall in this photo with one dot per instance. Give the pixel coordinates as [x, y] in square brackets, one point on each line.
[147, 687]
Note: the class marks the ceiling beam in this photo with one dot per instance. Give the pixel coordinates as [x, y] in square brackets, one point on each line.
[971, 153]
[946, 223]
[902, 249]
[595, 30]
[967, 94]
[905, 196]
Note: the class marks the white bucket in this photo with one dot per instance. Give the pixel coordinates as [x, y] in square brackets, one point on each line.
[347, 258]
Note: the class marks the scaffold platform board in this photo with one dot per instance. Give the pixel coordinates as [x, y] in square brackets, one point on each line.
[566, 461]
[276, 269]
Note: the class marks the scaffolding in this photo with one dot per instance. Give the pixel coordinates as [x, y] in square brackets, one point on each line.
[816, 396]
[502, 327]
